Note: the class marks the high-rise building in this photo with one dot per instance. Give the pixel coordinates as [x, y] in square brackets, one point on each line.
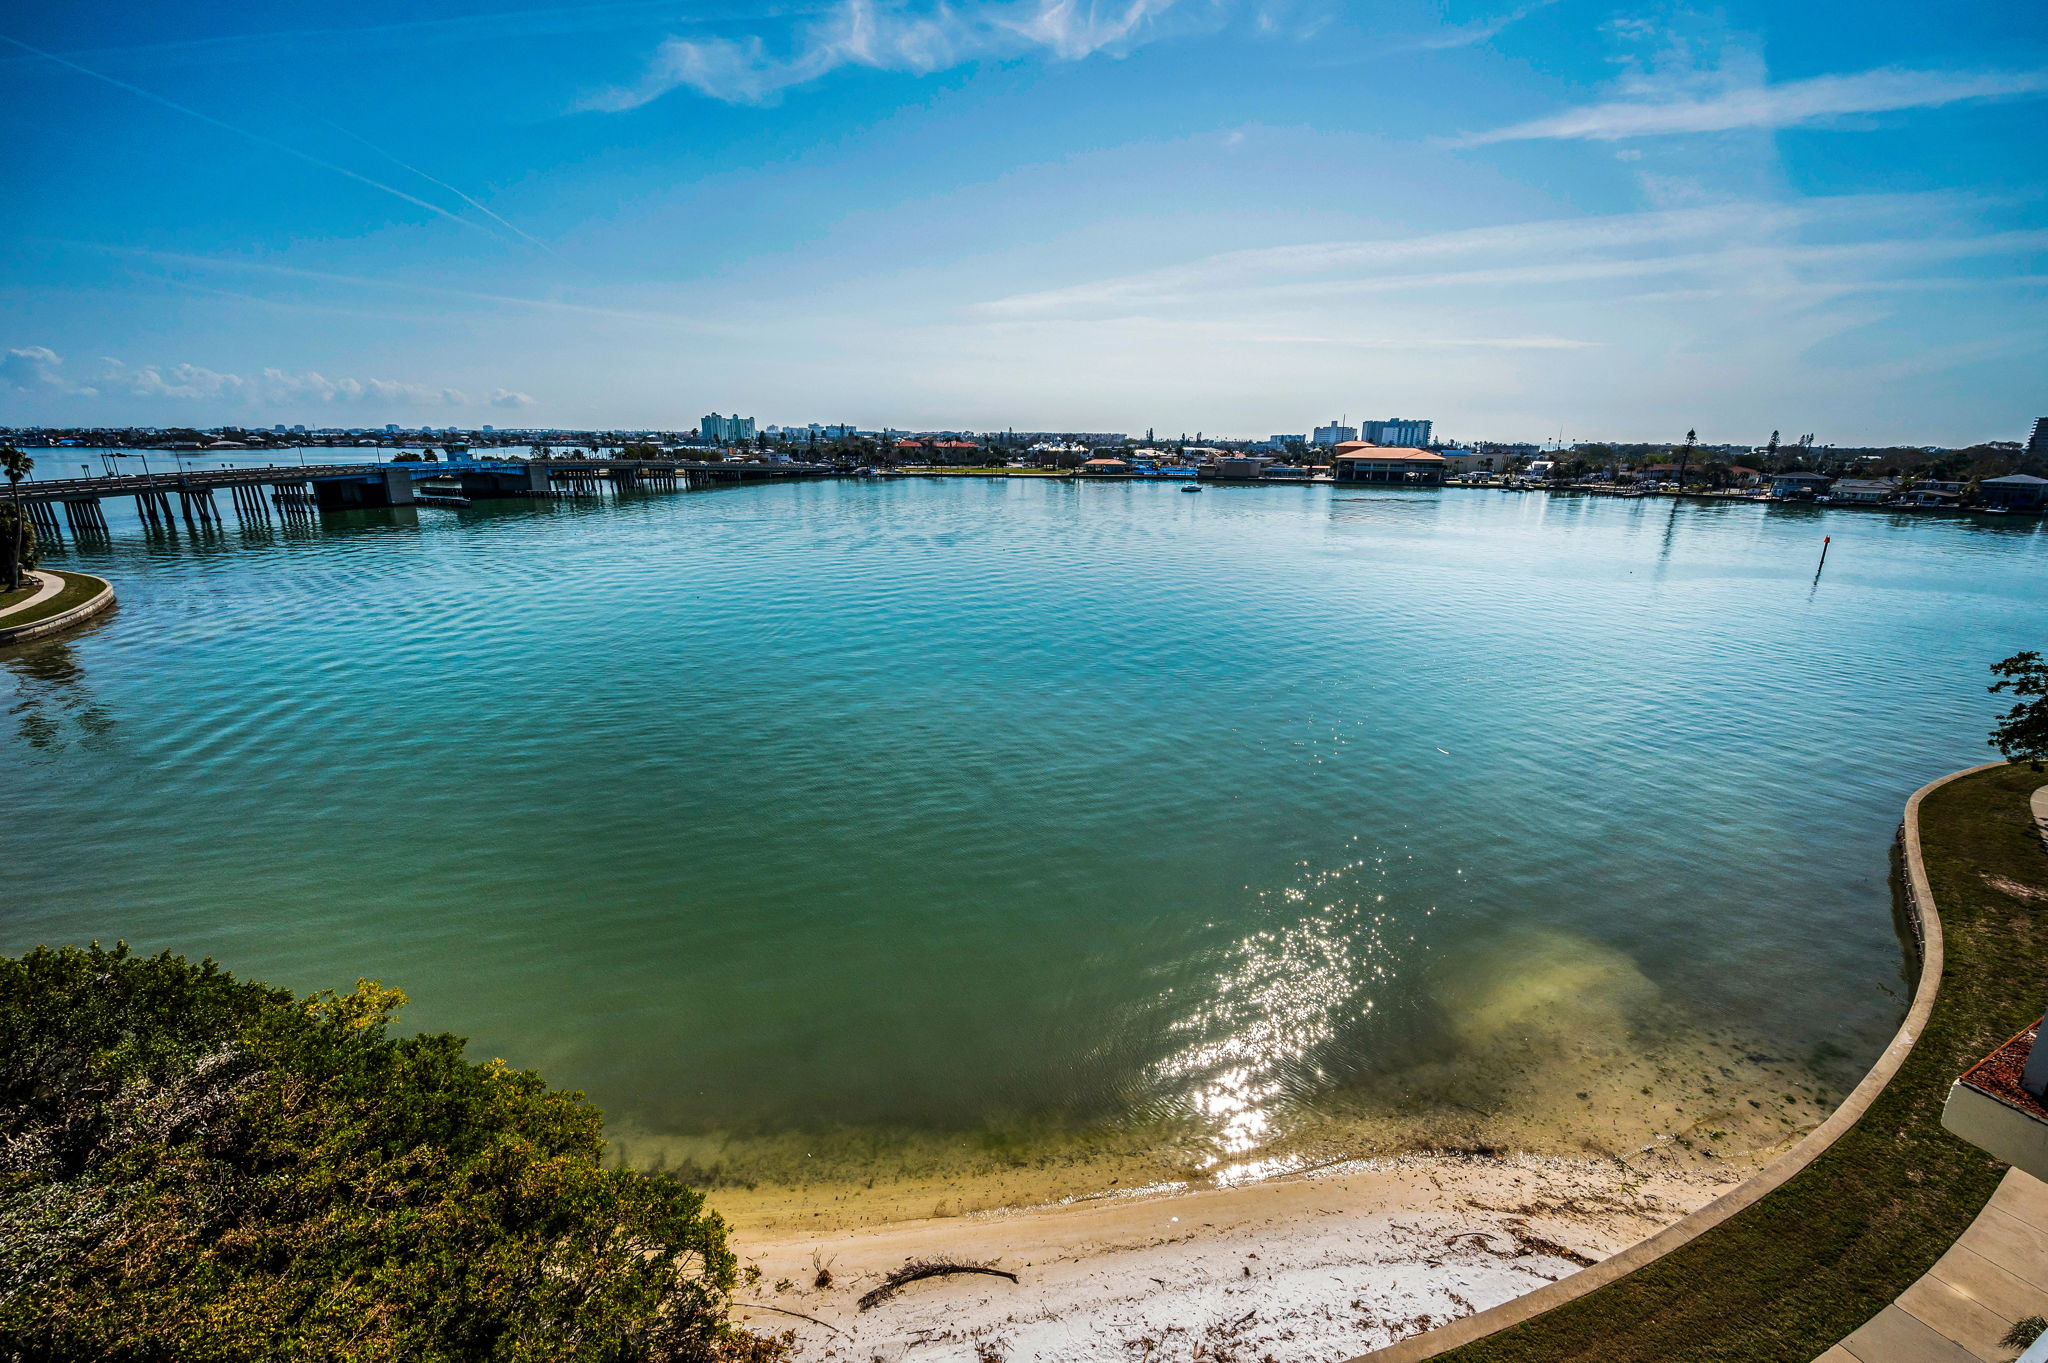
[1334, 434]
[725, 430]
[2037, 443]
[1395, 431]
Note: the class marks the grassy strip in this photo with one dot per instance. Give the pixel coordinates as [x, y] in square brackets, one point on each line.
[1814, 1260]
[77, 591]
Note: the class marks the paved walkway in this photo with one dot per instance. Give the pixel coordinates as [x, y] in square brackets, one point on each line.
[1996, 1274]
[52, 584]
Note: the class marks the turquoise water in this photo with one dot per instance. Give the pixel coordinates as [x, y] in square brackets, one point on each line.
[917, 818]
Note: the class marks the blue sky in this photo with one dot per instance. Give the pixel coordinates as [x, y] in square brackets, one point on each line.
[1519, 219]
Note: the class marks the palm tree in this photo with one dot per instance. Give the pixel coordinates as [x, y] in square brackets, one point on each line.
[1692, 439]
[15, 465]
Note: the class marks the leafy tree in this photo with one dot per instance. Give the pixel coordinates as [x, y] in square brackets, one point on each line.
[15, 465]
[2022, 735]
[198, 1167]
[19, 533]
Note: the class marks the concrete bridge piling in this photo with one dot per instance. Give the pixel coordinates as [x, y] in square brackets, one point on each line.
[43, 517]
[198, 507]
[249, 503]
[85, 516]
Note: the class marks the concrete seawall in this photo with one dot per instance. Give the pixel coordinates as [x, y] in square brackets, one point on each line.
[36, 629]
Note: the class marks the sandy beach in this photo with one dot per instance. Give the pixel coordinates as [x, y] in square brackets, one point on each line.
[1310, 1268]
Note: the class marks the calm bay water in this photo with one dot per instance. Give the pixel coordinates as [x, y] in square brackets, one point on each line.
[847, 825]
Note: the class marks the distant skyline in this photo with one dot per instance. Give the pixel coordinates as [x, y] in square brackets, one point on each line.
[1521, 221]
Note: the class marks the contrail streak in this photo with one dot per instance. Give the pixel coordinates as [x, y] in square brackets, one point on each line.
[436, 290]
[520, 232]
[272, 143]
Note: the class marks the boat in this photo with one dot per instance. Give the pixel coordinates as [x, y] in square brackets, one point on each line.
[1191, 488]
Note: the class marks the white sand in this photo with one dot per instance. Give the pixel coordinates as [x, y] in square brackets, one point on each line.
[1318, 1266]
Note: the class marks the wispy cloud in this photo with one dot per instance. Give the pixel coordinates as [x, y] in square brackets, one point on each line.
[180, 261]
[1783, 105]
[1477, 31]
[1668, 241]
[869, 34]
[1424, 341]
[40, 370]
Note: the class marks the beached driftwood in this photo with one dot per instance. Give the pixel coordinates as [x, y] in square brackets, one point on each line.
[918, 1269]
[785, 1311]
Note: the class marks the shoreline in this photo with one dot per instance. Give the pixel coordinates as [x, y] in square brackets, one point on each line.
[1315, 1263]
[1314, 1266]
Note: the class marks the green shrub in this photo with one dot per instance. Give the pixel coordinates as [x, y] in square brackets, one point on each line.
[195, 1167]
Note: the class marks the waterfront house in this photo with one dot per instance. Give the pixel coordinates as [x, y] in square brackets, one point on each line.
[1235, 468]
[2014, 492]
[1105, 468]
[1931, 492]
[1864, 491]
[1357, 462]
[1799, 486]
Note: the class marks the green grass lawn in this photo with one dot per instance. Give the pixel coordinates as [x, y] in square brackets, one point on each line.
[1812, 1261]
[77, 591]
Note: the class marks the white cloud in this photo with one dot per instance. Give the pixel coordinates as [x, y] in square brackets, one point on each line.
[884, 38]
[39, 370]
[270, 387]
[36, 369]
[1786, 104]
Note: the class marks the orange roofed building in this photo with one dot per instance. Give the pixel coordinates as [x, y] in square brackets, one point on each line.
[1355, 461]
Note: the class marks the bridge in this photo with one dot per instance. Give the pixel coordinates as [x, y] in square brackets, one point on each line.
[337, 487]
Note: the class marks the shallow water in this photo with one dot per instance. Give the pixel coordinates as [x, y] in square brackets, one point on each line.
[933, 827]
